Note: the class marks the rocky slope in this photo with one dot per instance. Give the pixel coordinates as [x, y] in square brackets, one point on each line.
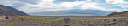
[119, 14]
[10, 11]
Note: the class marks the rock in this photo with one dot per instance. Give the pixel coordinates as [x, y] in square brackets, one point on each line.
[114, 19]
[66, 25]
[6, 17]
[2, 17]
[111, 23]
[66, 19]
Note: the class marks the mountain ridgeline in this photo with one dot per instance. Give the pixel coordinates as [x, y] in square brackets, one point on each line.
[119, 14]
[10, 11]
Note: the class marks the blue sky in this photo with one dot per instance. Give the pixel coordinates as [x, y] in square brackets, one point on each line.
[68, 7]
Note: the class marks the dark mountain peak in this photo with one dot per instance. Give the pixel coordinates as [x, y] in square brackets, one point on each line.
[1, 5]
[10, 11]
[124, 13]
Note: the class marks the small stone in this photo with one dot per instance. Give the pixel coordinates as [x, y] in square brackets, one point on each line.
[114, 19]
[66, 25]
[84, 21]
[6, 17]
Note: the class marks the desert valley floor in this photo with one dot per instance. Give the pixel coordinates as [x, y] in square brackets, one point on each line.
[63, 21]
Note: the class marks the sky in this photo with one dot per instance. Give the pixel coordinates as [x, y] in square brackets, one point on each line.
[68, 7]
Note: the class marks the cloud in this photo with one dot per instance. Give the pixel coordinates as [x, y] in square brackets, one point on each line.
[71, 0]
[18, 4]
[124, 4]
[30, 1]
[30, 6]
[48, 5]
[114, 1]
[7, 2]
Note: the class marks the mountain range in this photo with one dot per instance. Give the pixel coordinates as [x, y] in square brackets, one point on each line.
[119, 14]
[10, 11]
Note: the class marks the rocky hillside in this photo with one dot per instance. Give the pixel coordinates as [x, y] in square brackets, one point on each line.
[10, 11]
[121, 14]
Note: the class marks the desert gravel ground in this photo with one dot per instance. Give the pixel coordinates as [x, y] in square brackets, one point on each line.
[66, 21]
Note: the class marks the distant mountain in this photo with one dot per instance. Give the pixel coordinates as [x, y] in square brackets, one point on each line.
[73, 12]
[121, 14]
[10, 11]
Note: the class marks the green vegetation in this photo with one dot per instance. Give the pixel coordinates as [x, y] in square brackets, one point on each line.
[42, 18]
[7, 24]
[30, 17]
[58, 19]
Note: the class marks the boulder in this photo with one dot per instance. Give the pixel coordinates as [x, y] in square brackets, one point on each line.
[2, 17]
